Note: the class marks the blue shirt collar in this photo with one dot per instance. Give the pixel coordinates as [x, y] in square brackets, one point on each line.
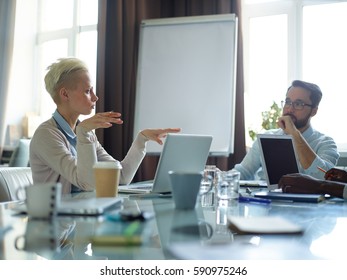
[64, 125]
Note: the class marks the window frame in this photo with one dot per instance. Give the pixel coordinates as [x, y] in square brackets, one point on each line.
[294, 11]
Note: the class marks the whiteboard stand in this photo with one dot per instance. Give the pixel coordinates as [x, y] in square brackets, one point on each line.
[186, 78]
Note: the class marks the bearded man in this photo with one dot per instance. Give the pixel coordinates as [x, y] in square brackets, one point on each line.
[313, 148]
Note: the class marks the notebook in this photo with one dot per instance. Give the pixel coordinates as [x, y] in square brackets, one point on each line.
[278, 157]
[181, 152]
[291, 197]
[82, 206]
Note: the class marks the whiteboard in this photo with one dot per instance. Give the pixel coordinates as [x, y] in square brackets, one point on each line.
[186, 78]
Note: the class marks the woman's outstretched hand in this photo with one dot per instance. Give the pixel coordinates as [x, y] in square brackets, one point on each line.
[157, 134]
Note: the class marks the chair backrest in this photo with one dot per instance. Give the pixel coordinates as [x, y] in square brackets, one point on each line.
[20, 156]
[11, 179]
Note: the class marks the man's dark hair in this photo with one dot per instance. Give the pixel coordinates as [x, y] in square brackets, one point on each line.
[315, 92]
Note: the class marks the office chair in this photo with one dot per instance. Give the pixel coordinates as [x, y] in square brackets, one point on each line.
[20, 156]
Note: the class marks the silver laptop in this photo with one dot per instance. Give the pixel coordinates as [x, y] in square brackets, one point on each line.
[81, 205]
[278, 157]
[181, 152]
[88, 206]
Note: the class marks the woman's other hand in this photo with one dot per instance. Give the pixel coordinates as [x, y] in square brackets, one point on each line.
[102, 120]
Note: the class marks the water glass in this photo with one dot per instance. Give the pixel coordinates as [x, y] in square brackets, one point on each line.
[208, 185]
[228, 185]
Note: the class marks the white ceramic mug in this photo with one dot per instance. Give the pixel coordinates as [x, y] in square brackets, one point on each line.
[42, 200]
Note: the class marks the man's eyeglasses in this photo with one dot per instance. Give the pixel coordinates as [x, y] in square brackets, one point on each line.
[297, 105]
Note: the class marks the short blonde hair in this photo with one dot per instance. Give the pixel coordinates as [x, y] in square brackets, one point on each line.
[61, 72]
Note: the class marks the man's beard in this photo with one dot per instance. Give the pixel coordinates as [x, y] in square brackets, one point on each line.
[299, 123]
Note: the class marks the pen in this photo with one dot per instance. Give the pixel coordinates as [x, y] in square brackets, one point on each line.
[321, 169]
[254, 199]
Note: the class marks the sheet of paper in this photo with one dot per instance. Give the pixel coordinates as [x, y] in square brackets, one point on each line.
[262, 225]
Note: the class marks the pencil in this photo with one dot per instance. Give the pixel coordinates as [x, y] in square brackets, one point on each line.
[321, 169]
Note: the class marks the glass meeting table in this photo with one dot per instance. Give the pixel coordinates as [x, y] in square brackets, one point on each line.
[167, 233]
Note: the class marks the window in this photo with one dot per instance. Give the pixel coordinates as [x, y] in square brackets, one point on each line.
[46, 30]
[295, 39]
[324, 60]
[66, 28]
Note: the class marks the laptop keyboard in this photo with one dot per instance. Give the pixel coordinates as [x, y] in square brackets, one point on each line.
[140, 186]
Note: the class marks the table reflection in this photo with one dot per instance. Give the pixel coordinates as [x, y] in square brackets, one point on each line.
[49, 239]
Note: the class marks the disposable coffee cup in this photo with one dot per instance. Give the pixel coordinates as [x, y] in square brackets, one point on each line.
[107, 174]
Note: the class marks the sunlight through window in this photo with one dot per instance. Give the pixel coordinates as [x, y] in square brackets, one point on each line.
[288, 40]
[324, 61]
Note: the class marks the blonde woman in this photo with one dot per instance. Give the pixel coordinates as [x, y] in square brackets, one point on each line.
[64, 149]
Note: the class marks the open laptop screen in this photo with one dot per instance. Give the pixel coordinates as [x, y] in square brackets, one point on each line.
[181, 152]
[278, 157]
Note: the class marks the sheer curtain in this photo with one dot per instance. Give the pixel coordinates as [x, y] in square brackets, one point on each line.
[7, 20]
[118, 35]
